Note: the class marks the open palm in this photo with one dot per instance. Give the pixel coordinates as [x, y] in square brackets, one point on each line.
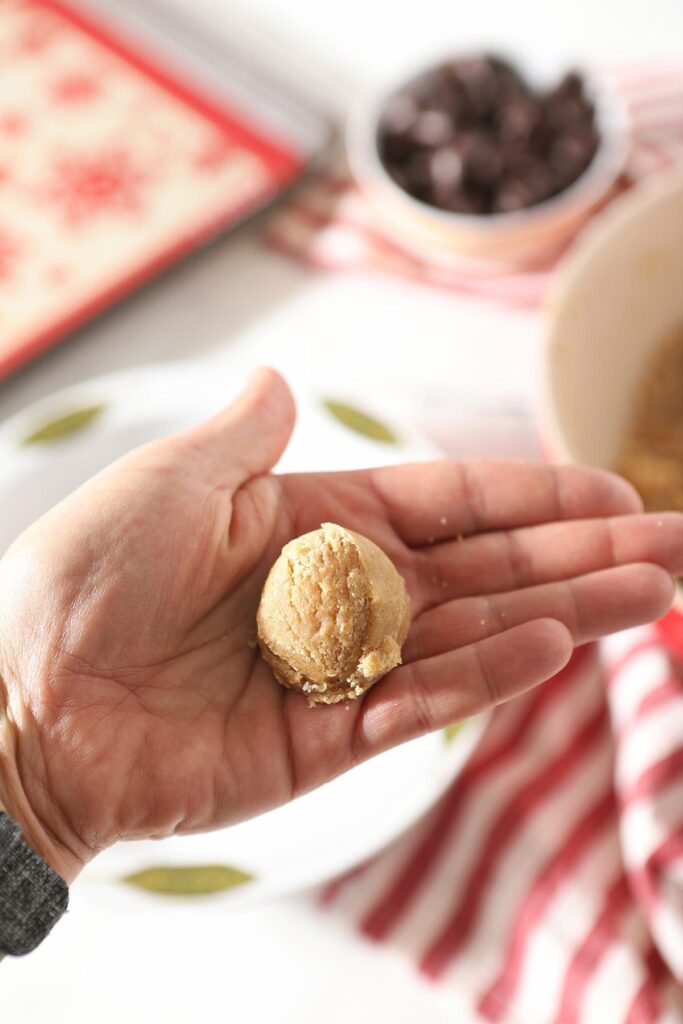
[137, 704]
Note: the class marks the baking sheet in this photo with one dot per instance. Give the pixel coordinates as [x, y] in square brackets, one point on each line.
[117, 159]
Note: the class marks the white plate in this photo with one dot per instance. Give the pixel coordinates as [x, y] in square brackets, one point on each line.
[342, 823]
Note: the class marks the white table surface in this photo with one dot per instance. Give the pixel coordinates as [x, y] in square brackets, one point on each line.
[287, 961]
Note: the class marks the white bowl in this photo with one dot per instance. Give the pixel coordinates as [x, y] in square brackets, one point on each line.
[618, 295]
[518, 237]
[344, 822]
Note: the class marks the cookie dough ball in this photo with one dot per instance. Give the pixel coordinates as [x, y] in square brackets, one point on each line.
[334, 613]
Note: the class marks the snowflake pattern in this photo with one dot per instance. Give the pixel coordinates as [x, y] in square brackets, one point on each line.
[86, 185]
[74, 87]
[39, 31]
[12, 123]
[10, 250]
[214, 153]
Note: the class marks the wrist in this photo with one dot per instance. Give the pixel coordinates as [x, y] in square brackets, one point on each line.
[55, 849]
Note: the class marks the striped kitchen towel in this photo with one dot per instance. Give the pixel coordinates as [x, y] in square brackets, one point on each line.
[330, 225]
[547, 885]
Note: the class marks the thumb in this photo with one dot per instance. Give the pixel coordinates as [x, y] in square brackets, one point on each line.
[248, 437]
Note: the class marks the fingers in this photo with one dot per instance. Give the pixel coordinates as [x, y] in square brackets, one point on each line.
[248, 437]
[590, 606]
[434, 692]
[436, 501]
[498, 562]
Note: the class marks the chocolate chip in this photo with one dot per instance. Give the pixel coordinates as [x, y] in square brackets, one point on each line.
[481, 158]
[565, 113]
[570, 85]
[481, 86]
[395, 150]
[512, 195]
[467, 201]
[569, 156]
[432, 128]
[518, 120]
[447, 167]
[418, 175]
[541, 184]
[399, 114]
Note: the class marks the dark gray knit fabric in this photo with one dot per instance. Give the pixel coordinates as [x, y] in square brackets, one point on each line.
[33, 897]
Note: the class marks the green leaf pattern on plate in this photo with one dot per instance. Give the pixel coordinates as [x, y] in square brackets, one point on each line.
[63, 426]
[196, 880]
[359, 421]
[451, 731]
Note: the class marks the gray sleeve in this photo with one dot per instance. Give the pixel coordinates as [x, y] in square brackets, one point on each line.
[32, 896]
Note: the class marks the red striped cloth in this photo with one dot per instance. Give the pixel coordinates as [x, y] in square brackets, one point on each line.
[331, 226]
[547, 885]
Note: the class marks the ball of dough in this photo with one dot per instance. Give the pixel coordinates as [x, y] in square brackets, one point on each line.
[334, 613]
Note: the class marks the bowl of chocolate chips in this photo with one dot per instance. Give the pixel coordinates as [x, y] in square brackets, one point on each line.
[475, 158]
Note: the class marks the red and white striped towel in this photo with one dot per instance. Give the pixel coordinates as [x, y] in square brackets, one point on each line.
[547, 885]
[331, 226]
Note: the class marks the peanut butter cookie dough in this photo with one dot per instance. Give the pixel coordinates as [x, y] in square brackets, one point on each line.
[334, 613]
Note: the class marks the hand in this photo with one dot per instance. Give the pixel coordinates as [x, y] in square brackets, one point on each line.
[135, 703]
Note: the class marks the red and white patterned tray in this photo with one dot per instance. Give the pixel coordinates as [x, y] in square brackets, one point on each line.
[110, 168]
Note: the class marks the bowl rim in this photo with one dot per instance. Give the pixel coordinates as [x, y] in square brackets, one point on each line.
[638, 198]
[593, 183]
